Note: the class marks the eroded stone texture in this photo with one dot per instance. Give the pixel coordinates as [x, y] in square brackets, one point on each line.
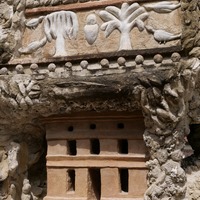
[165, 89]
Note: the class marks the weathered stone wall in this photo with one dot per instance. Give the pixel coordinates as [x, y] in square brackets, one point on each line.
[165, 87]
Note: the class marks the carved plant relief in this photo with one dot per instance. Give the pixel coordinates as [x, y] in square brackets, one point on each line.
[106, 30]
[57, 26]
[124, 19]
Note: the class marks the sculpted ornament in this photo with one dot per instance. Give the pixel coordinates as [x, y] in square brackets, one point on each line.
[57, 26]
[124, 20]
[162, 36]
[162, 7]
[91, 29]
[64, 25]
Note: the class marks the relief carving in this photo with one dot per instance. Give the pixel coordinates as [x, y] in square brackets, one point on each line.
[127, 25]
[91, 29]
[162, 7]
[162, 36]
[124, 20]
[57, 26]
[163, 96]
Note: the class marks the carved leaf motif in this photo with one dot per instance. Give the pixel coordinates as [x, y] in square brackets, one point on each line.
[33, 46]
[163, 7]
[114, 11]
[106, 16]
[33, 23]
[131, 9]
[109, 27]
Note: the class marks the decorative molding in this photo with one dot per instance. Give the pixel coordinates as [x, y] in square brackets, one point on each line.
[114, 22]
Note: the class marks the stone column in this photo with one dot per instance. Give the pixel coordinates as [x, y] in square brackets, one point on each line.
[164, 102]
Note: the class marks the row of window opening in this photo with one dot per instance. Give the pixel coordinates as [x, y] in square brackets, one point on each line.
[95, 147]
[94, 126]
[95, 175]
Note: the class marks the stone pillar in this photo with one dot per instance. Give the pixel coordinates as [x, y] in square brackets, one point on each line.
[165, 103]
[109, 183]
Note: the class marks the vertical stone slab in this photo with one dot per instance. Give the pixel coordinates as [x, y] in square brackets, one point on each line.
[109, 182]
[109, 147]
[81, 183]
[57, 147]
[137, 148]
[56, 182]
[137, 182]
[83, 147]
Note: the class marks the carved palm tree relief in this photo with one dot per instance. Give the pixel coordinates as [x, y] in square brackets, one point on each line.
[57, 26]
[124, 20]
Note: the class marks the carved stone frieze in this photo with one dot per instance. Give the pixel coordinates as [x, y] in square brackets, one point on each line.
[114, 29]
[102, 59]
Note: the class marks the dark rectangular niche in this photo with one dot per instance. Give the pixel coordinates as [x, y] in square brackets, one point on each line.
[124, 176]
[123, 146]
[95, 146]
[71, 145]
[71, 180]
[95, 177]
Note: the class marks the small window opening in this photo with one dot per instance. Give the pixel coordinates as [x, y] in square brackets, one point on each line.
[71, 180]
[95, 177]
[120, 126]
[124, 176]
[123, 146]
[70, 128]
[72, 147]
[95, 146]
[92, 126]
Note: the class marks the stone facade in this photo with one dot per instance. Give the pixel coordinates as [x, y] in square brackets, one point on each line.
[96, 157]
[65, 58]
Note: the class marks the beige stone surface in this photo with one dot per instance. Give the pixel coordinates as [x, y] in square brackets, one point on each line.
[57, 147]
[109, 146]
[137, 182]
[83, 147]
[57, 182]
[79, 47]
[110, 182]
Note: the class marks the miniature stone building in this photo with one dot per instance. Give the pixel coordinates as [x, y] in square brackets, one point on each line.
[96, 157]
[98, 99]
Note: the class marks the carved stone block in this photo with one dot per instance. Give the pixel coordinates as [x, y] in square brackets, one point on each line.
[135, 27]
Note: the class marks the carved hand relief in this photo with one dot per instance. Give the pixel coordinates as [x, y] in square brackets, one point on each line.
[124, 19]
[57, 26]
[131, 27]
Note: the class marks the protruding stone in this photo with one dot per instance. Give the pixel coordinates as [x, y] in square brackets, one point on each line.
[139, 59]
[121, 61]
[52, 67]
[175, 57]
[34, 67]
[77, 68]
[84, 64]
[3, 71]
[19, 69]
[68, 65]
[104, 63]
[94, 67]
[158, 58]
